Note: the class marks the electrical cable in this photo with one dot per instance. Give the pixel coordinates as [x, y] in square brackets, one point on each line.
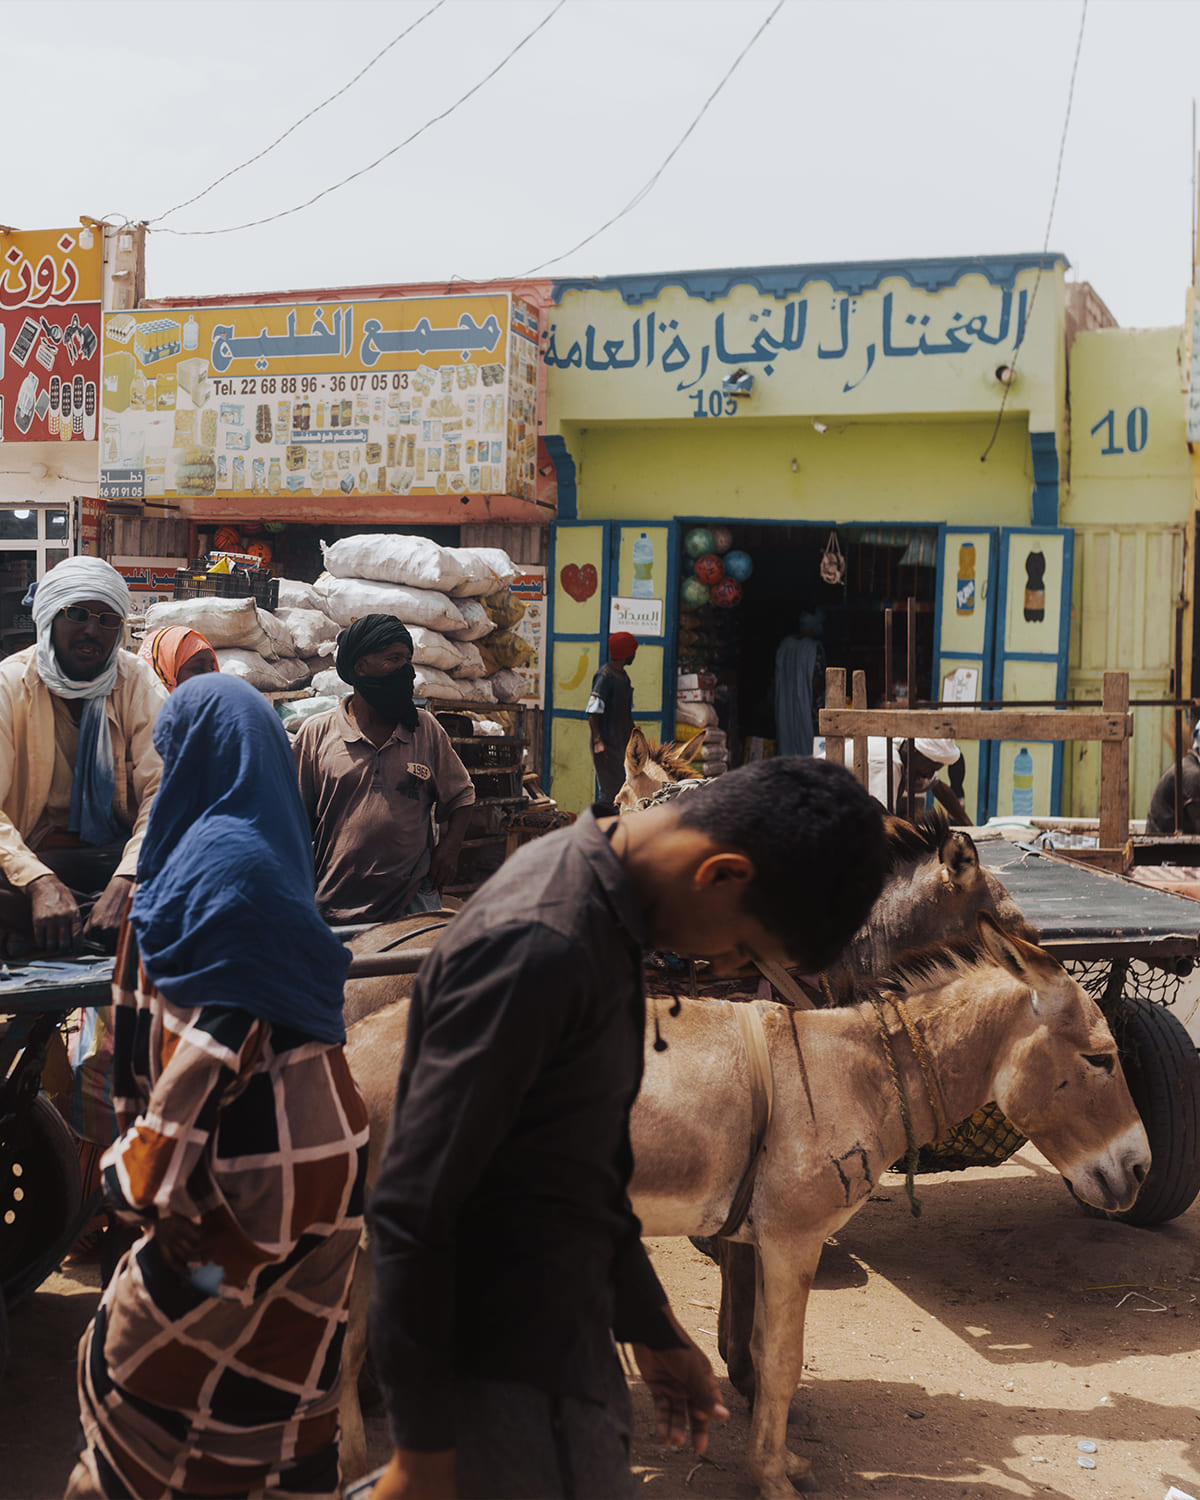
[249, 162]
[379, 160]
[1062, 146]
[650, 183]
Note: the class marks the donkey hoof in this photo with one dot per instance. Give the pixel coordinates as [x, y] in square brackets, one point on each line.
[797, 1467]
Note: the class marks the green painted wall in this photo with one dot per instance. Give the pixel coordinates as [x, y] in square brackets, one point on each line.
[860, 471]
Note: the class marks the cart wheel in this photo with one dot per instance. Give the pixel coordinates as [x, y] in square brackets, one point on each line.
[40, 1190]
[1162, 1069]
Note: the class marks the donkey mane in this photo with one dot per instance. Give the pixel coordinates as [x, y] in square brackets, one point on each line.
[924, 968]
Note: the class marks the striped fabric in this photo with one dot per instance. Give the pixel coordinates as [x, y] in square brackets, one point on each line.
[261, 1137]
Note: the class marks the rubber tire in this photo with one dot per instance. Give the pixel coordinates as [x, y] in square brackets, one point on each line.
[1162, 1068]
[49, 1158]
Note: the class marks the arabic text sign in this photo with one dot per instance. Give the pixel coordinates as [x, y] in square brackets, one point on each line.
[816, 351]
[638, 616]
[49, 334]
[407, 396]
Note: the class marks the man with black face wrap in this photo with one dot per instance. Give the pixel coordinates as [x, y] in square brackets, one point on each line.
[373, 773]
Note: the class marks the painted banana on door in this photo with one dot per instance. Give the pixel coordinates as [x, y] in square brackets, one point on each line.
[580, 673]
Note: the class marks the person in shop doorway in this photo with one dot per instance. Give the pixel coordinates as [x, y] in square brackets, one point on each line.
[1161, 816]
[374, 773]
[610, 714]
[799, 674]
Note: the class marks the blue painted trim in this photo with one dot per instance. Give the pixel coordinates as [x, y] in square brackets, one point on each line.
[850, 276]
[1043, 508]
[564, 475]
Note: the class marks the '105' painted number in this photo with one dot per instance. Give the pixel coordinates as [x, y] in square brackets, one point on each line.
[714, 403]
[1137, 430]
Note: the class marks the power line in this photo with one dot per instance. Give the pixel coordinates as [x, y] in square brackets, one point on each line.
[249, 162]
[379, 160]
[650, 183]
[1062, 146]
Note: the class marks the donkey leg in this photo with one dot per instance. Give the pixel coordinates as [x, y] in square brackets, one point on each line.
[735, 1328]
[786, 1271]
[354, 1353]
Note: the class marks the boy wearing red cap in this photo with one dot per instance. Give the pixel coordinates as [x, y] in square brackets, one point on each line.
[610, 714]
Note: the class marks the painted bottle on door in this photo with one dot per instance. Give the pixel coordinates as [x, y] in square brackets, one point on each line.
[1022, 797]
[1035, 586]
[964, 591]
[643, 568]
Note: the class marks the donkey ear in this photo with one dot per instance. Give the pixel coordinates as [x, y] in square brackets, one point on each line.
[690, 749]
[960, 857]
[1021, 959]
[637, 753]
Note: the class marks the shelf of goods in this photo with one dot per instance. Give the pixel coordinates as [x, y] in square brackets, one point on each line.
[495, 764]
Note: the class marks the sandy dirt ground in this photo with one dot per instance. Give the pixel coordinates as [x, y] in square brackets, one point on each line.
[967, 1353]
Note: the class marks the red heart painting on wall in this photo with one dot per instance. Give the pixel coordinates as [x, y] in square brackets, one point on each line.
[579, 582]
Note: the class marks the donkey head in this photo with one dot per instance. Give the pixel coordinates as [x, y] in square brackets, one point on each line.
[933, 892]
[650, 766]
[1059, 1079]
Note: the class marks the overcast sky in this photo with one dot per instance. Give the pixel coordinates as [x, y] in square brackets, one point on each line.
[857, 130]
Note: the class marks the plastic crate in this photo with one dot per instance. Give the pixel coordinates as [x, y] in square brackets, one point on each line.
[193, 583]
[489, 752]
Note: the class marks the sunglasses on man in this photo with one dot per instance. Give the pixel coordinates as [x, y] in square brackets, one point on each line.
[80, 616]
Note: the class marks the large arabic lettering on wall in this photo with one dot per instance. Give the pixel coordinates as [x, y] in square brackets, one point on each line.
[410, 396]
[819, 351]
[49, 334]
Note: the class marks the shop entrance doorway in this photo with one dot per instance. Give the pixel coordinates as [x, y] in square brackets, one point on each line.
[880, 568]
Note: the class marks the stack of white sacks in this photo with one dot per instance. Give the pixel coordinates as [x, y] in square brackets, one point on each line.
[438, 592]
[694, 711]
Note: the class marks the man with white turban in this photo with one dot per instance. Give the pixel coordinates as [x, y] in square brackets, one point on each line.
[929, 757]
[78, 768]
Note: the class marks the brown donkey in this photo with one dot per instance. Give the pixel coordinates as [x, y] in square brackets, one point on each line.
[960, 1027]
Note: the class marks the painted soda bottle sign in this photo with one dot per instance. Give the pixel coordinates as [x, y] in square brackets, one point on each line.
[1035, 586]
[1022, 796]
[643, 568]
[964, 593]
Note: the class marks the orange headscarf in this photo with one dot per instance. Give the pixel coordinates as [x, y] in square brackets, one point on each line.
[167, 650]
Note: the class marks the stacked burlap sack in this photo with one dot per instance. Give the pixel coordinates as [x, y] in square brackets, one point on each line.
[252, 643]
[454, 600]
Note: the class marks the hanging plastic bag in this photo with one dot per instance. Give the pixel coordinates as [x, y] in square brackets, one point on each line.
[833, 561]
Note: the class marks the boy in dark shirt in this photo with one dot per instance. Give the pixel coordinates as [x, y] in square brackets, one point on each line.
[507, 1256]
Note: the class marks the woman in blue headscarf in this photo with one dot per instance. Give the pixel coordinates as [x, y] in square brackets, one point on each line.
[212, 1365]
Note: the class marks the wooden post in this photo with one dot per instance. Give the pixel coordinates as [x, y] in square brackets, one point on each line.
[910, 795]
[859, 700]
[888, 671]
[835, 697]
[1176, 717]
[1114, 768]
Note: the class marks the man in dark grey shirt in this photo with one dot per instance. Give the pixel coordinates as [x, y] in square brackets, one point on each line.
[507, 1256]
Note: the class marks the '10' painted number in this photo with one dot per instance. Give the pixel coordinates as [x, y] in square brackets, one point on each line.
[1137, 430]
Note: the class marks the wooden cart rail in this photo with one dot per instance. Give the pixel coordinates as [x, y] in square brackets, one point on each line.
[1112, 726]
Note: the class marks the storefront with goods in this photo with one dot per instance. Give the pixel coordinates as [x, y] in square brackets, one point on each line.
[870, 445]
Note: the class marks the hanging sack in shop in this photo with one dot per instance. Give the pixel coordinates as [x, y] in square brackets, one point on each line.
[833, 561]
